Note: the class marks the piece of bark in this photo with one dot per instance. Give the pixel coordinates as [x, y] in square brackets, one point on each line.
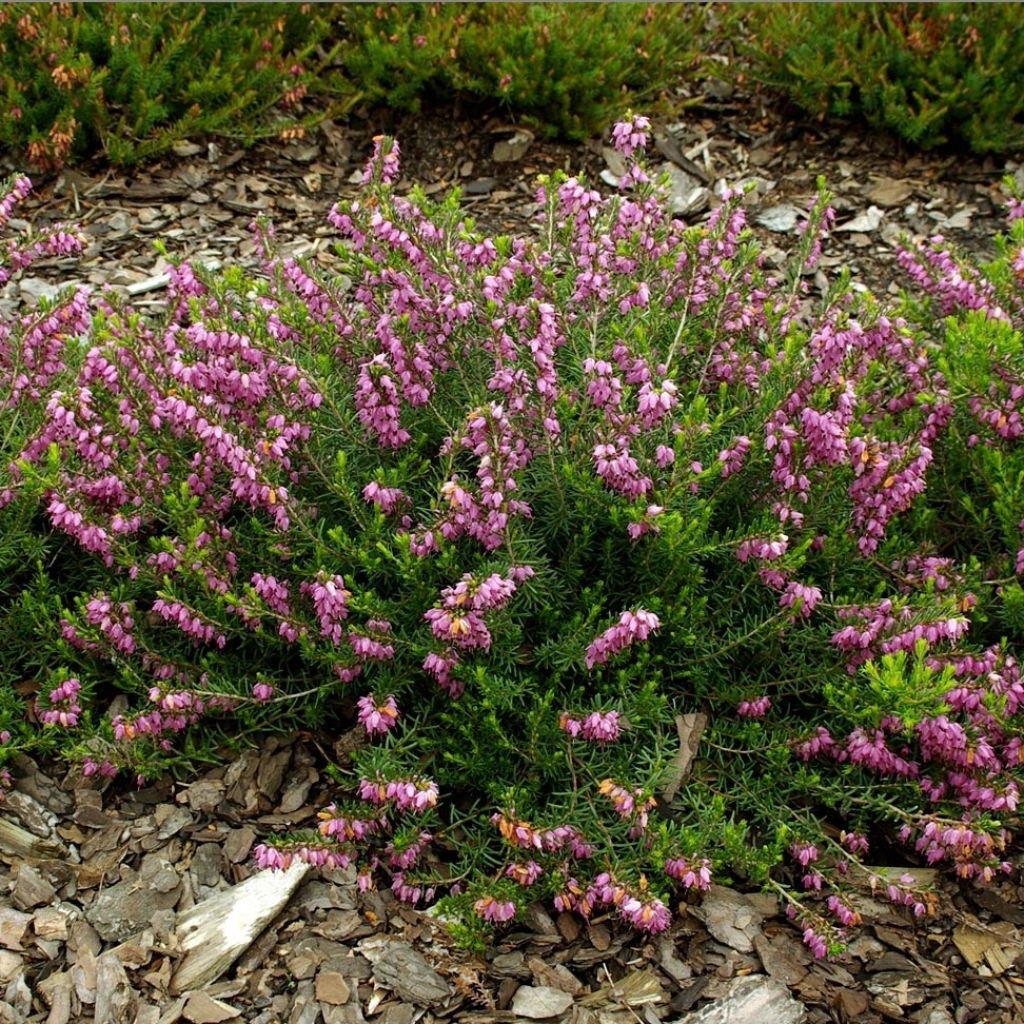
[115, 1000]
[21, 843]
[217, 931]
[690, 728]
[752, 1000]
[398, 967]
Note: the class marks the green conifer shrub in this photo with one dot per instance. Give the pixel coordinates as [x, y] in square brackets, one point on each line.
[567, 69]
[130, 79]
[931, 73]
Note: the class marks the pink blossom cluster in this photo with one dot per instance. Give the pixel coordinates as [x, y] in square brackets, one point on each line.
[648, 522]
[597, 726]
[631, 135]
[630, 804]
[401, 856]
[417, 795]
[887, 627]
[388, 499]
[62, 707]
[732, 458]
[936, 272]
[756, 708]
[459, 621]
[189, 621]
[495, 911]
[330, 602]
[801, 597]
[172, 711]
[346, 828]
[378, 718]
[524, 874]
[632, 627]
[105, 769]
[372, 643]
[520, 833]
[280, 857]
[483, 511]
[635, 906]
[690, 873]
[18, 191]
[383, 163]
[973, 851]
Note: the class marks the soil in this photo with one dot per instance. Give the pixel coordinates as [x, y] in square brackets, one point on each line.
[153, 854]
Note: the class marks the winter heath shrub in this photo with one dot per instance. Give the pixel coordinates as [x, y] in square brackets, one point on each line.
[567, 70]
[630, 565]
[931, 73]
[129, 80]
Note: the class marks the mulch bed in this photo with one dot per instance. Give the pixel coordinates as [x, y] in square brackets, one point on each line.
[88, 931]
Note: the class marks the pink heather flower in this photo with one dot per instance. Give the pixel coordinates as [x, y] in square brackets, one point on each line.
[383, 160]
[648, 524]
[754, 708]
[732, 458]
[440, 667]
[843, 912]
[572, 727]
[804, 853]
[691, 875]
[465, 629]
[815, 943]
[330, 601]
[808, 597]
[64, 709]
[372, 646]
[649, 915]
[270, 857]
[631, 627]
[664, 456]
[373, 791]
[629, 136]
[407, 892]
[601, 727]
[524, 874]
[418, 795]
[388, 499]
[854, 842]
[495, 911]
[262, 691]
[377, 719]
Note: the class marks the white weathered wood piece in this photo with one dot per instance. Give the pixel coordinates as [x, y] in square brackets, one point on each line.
[217, 931]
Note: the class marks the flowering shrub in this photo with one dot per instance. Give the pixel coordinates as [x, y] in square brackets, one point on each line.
[567, 71]
[931, 73]
[130, 79]
[523, 512]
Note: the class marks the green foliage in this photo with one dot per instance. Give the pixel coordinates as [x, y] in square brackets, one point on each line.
[568, 69]
[931, 73]
[772, 548]
[131, 79]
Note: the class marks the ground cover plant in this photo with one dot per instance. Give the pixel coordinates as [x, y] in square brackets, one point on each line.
[129, 80]
[567, 70]
[630, 566]
[930, 73]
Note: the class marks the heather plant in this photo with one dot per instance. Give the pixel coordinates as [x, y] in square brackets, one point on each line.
[566, 70]
[930, 73]
[627, 565]
[129, 80]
